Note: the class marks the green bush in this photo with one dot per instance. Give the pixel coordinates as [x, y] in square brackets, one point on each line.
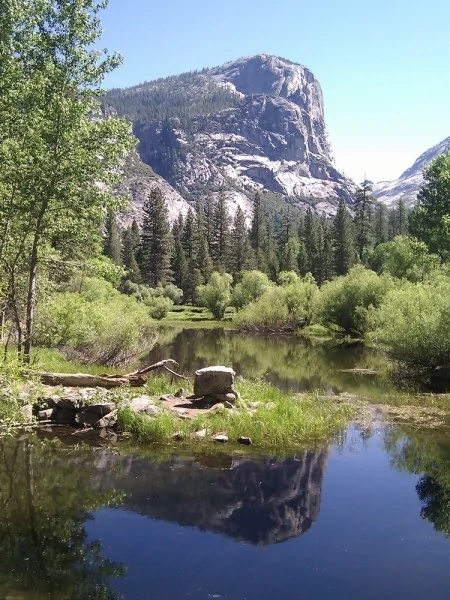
[284, 307]
[159, 306]
[251, 287]
[216, 294]
[96, 323]
[413, 322]
[345, 304]
[404, 258]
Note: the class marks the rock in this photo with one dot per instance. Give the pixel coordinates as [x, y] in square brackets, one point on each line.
[221, 438]
[65, 416]
[138, 404]
[167, 398]
[107, 421]
[27, 412]
[152, 410]
[178, 436]
[47, 414]
[245, 441]
[230, 397]
[100, 409]
[213, 380]
[66, 402]
[200, 435]
[87, 418]
[255, 405]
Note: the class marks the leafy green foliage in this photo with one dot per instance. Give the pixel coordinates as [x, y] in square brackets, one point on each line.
[345, 304]
[216, 294]
[286, 307]
[95, 323]
[430, 222]
[404, 257]
[413, 322]
[252, 285]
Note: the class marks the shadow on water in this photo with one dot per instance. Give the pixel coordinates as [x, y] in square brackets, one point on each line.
[289, 362]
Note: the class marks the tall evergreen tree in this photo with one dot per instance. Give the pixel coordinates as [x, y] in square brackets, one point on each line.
[344, 241]
[269, 255]
[210, 214]
[188, 235]
[129, 256]
[111, 242]
[324, 265]
[156, 240]
[289, 247]
[364, 218]
[310, 242]
[381, 224]
[402, 218]
[258, 232]
[179, 262]
[221, 245]
[201, 257]
[241, 253]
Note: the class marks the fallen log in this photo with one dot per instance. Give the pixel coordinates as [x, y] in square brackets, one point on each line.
[135, 379]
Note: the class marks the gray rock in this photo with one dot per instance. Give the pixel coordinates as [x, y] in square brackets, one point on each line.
[229, 398]
[167, 397]
[100, 409]
[245, 441]
[107, 421]
[65, 416]
[66, 402]
[200, 435]
[139, 404]
[212, 381]
[27, 412]
[46, 414]
[221, 438]
[152, 410]
[87, 418]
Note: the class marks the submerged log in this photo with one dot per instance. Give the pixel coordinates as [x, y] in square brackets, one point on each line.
[135, 379]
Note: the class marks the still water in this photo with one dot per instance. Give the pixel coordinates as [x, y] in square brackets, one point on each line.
[363, 517]
[291, 363]
[366, 516]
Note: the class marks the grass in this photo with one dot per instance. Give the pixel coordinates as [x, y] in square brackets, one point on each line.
[279, 422]
[196, 315]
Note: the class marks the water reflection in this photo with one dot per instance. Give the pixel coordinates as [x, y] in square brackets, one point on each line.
[289, 362]
[260, 502]
[44, 504]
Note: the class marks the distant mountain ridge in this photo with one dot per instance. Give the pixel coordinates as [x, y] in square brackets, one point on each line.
[256, 123]
[407, 186]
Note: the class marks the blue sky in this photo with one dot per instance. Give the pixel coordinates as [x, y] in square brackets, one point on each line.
[384, 65]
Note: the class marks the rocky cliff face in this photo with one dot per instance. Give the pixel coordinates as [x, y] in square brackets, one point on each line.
[407, 186]
[253, 124]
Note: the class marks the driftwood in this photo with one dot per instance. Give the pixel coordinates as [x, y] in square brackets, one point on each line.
[135, 379]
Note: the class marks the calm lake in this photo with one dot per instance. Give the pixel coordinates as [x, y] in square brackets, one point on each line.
[365, 516]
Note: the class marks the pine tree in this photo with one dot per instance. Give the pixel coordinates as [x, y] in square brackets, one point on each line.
[241, 253]
[269, 255]
[344, 241]
[209, 210]
[179, 262]
[188, 236]
[155, 240]
[381, 224]
[221, 235]
[310, 242]
[257, 233]
[201, 257]
[129, 256]
[111, 244]
[363, 217]
[289, 247]
[402, 218]
[324, 265]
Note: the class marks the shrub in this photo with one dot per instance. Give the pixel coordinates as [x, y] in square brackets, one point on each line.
[284, 307]
[413, 322]
[97, 323]
[405, 258]
[345, 304]
[251, 287]
[216, 295]
[159, 306]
